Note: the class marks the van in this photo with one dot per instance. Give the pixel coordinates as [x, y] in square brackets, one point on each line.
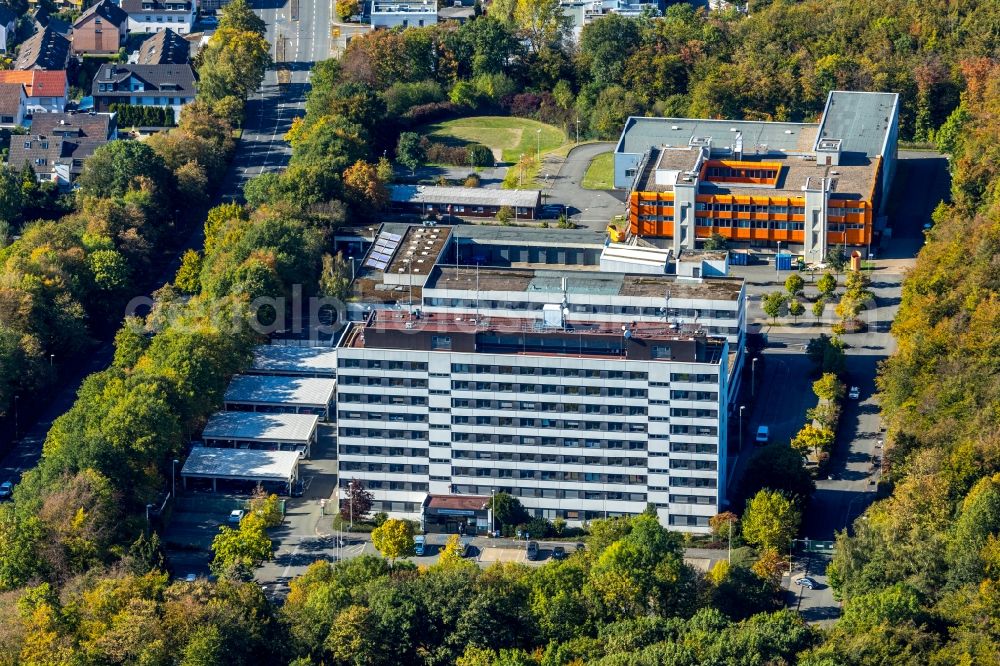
[419, 545]
[763, 435]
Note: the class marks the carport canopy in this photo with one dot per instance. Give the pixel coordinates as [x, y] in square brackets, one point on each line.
[241, 465]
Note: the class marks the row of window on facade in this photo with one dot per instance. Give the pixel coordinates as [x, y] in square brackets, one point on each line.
[581, 308]
[564, 458]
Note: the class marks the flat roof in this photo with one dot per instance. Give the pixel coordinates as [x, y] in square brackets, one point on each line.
[636, 254]
[464, 196]
[642, 133]
[418, 250]
[242, 464]
[853, 178]
[278, 390]
[256, 427]
[580, 282]
[491, 234]
[285, 359]
[457, 502]
[861, 120]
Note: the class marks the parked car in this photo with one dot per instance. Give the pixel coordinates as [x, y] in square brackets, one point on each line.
[558, 553]
[532, 550]
[190, 578]
[806, 582]
[419, 545]
[763, 435]
[6, 490]
[465, 547]
[580, 547]
[854, 393]
[235, 516]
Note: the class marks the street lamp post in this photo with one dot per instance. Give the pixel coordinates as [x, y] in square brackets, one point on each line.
[742, 407]
[776, 258]
[538, 145]
[578, 130]
[753, 377]
[173, 478]
[149, 525]
[520, 171]
[351, 259]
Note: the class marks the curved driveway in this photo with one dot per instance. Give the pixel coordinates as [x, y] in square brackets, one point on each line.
[588, 208]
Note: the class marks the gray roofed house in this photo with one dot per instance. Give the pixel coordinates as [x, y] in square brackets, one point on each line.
[144, 85]
[74, 125]
[46, 49]
[42, 19]
[13, 104]
[164, 48]
[54, 158]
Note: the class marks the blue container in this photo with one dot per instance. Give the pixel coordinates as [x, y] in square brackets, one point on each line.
[784, 262]
[739, 258]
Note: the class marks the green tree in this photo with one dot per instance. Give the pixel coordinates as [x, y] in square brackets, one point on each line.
[232, 64]
[115, 168]
[507, 510]
[347, 8]
[829, 387]
[826, 353]
[818, 307]
[238, 551]
[778, 468]
[836, 257]
[795, 308]
[12, 196]
[716, 242]
[267, 507]
[812, 438]
[794, 284]
[110, 270]
[770, 521]
[239, 15]
[409, 151]
[131, 342]
[394, 539]
[504, 215]
[827, 284]
[773, 304]
[188, 278]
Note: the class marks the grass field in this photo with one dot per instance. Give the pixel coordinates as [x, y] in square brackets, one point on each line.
[601, 173]
[510, 137]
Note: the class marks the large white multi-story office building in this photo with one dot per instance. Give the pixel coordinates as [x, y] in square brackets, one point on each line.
[584, 394]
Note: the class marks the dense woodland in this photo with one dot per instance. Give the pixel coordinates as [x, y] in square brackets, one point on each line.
[84, 584]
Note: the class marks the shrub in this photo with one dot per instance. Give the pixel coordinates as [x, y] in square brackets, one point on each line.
[479, 155]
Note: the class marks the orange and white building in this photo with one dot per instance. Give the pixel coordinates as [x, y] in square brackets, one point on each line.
[807, 186]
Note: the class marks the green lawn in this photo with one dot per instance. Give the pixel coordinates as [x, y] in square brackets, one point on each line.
[601, 173]
[511, 136]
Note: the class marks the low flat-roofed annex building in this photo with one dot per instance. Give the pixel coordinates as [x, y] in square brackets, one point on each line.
[804, 185]
[239, 470]
[464, 201]
[294, 361]
[450, 514]
[265, 432]
[278, 394]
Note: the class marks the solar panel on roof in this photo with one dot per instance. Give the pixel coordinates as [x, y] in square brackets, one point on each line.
[394, 237]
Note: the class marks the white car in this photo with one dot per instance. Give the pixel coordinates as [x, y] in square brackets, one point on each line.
[763, 435]
[854, 393]
[235, 516]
